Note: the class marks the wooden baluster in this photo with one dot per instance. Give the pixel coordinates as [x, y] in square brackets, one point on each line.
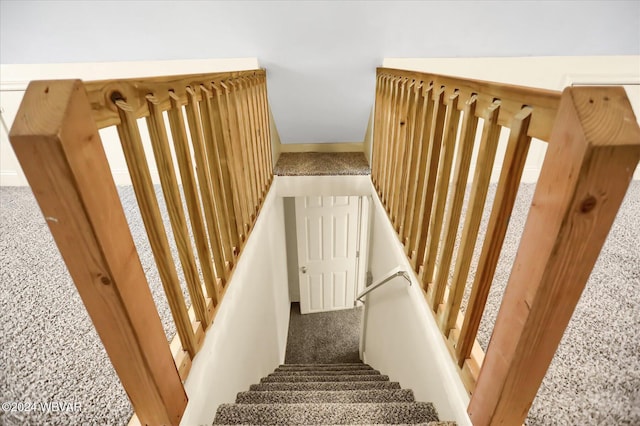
[398, 143]
[256, 143]
[259, 138]
[377, 123]
[152, 219]
[452, 120]
[401, 149]
[263, 110]
[506, 192]
[190, 188]
[206, 192]
[244, 190]
[249, 151]
[264, 103]
[593, 151]
[382, 136]
[384, 148]
[430, 175]
[408, 161]
[379, 131]
[475, 208]
[267, 122]
[419, 167]
[389, 146]
[388, 139]
[169, 184]
[226, 176]
[235, 95]
[218, 218]
[57, 142]
[461, 173]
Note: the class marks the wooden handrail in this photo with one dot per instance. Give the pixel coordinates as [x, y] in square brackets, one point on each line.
[512, 97]
[102, 93]
[60, 151]
[224, 184]
[593, 150]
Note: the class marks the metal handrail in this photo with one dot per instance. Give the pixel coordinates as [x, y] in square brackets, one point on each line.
[395, 272]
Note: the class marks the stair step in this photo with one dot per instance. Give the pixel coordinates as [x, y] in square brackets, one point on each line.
[325, 368]
[342, 378]
[325, 373]
[323, 386]
[347, 396]
[337, 364]
[331, 413]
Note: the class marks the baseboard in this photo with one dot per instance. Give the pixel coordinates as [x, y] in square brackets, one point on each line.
[322, 147]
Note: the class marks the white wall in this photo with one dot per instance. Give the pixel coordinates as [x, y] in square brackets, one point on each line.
[292, 247]
[400, 336]
[248, 337]
[554, 73]
[320, 55]
[15, 78]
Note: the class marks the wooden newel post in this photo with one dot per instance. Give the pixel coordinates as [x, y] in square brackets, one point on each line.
[57, 143]
[593, 151]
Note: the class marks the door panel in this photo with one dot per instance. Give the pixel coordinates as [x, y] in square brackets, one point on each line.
[327, 252]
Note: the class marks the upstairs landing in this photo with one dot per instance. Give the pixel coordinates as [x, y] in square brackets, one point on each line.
[322, 164]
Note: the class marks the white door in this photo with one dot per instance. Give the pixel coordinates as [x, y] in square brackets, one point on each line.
[327, 229]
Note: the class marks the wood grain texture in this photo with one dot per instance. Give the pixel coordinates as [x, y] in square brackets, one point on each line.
[204, 186]
[408, 161]
[60, 151]
[512, 98]
[377, 131]
[460, 175]
[235, 175]
[506, 192]
[452, 118]
[391, 139]
[256, 134]
[593, 151]
[419, 167]
[213, 209]
[401, 148]
[246, 144]
[171, 192]
[134, 91]
[430, 176]
[236, 121]
[229, 113]
[220, 210]
[152, 219]
[266, 119]
[475, 209]
[190, 187]
[226, 176]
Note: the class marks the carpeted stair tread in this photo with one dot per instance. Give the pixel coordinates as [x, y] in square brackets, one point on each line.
[325, 373]
[328, 413]
[357, 367]
[383, 424]
[345, 397]
[331, 386]
[341, 378]
[337, 364]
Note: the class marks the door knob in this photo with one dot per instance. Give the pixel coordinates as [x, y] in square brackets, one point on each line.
[303, 269]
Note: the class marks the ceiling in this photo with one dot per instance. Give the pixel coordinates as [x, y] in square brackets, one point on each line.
[320, 56]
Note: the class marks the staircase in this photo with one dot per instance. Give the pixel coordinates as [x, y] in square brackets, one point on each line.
[338, 394]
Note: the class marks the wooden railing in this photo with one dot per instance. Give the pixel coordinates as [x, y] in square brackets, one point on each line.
[222, 152]
[422, 123]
